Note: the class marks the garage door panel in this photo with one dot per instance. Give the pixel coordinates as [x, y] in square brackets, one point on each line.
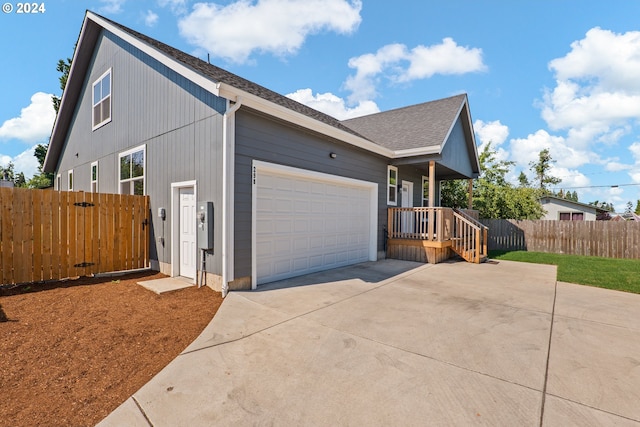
[281, 266]
[282, 226]
[305, 224]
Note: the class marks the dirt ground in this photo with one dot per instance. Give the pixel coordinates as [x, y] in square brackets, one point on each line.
[73, 351]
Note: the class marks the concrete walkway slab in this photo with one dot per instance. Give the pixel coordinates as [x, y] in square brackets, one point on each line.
[166, 284]
[395, 343]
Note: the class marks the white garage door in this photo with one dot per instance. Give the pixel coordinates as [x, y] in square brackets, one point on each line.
[307, 222]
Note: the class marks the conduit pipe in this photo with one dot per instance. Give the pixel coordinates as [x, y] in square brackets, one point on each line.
[228, 170]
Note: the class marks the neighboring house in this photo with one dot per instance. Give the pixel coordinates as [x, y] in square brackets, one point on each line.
[630, 216]
[557, 208]
[293, 190]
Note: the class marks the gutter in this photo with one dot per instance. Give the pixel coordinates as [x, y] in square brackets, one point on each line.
[228, 170]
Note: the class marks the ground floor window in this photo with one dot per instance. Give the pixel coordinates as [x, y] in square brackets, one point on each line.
[425, 191]
[70, 180]
[571, 216]
[132, 171]
[94, 177]
[392, 185]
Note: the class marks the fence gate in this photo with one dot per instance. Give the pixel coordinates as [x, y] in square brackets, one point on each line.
[50, 235]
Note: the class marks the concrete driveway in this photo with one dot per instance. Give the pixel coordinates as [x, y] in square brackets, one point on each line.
[399, 343]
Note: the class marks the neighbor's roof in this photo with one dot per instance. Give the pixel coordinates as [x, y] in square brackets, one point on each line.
[423, 127]
[549, 198]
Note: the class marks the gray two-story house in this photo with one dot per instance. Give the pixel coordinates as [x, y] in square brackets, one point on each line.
[293, 190]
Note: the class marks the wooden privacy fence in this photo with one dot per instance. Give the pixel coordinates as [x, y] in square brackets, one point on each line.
[52, 235]
[609, 239]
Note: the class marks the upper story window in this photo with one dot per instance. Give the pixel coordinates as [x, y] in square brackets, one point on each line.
[392, 185]
[102, 100]
[132, 171]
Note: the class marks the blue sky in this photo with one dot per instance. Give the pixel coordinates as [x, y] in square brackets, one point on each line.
[562, 74]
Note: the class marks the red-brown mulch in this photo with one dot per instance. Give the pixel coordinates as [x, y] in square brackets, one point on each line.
[71, 352]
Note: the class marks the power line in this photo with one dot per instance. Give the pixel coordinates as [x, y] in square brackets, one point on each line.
[595, 186]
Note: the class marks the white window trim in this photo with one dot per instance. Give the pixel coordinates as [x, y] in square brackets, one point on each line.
[95, 126]
[70, 180]
[389, 185]
[142, 148]
[59, 182]
[91, 181]
[425, 201]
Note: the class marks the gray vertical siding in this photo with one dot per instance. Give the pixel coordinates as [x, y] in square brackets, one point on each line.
[455, 154]
[178, 122]
[260, 138]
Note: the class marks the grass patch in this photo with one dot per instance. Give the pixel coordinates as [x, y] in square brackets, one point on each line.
[618, 274]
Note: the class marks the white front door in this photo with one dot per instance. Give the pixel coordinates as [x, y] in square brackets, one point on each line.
[408, 223]
[187, 233]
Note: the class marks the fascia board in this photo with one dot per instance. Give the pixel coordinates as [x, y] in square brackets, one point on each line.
[422, 151]
[46, 166]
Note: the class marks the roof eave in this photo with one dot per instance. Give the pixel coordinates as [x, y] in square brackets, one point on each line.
[278, 111]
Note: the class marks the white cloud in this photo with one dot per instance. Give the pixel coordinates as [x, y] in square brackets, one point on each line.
[333, 105]
[150, 18]
[445, 58]
[24, 162]
[111, 6]
[494, 133]
[34, 123]
[178, 7]
[279, 27]
[614, 166]
[597, 89]
[399, 64]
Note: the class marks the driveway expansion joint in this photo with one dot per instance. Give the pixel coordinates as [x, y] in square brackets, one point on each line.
[546, 370]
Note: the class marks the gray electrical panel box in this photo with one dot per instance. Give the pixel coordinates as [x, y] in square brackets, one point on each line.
[205, 225]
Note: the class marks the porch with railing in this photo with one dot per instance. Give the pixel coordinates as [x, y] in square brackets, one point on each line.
[432, 234]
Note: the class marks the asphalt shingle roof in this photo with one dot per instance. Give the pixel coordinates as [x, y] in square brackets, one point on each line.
[416, 126]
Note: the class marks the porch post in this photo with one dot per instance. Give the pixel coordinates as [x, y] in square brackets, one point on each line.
[431, 229]
[432, 183]
[470, 204]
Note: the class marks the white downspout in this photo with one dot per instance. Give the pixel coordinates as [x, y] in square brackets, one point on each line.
[228, 169]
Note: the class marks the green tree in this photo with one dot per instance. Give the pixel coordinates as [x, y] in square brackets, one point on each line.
[41, 179]
[454, 193]
[637, 211]
[494, 197]
[523, 180]
[541, 170]
[63, 67]
[629, 207]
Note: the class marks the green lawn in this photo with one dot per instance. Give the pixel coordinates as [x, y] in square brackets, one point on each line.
[619, 274]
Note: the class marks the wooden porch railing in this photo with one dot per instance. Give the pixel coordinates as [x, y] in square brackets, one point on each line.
[433, 224]
[467, 235]
[470, 237]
